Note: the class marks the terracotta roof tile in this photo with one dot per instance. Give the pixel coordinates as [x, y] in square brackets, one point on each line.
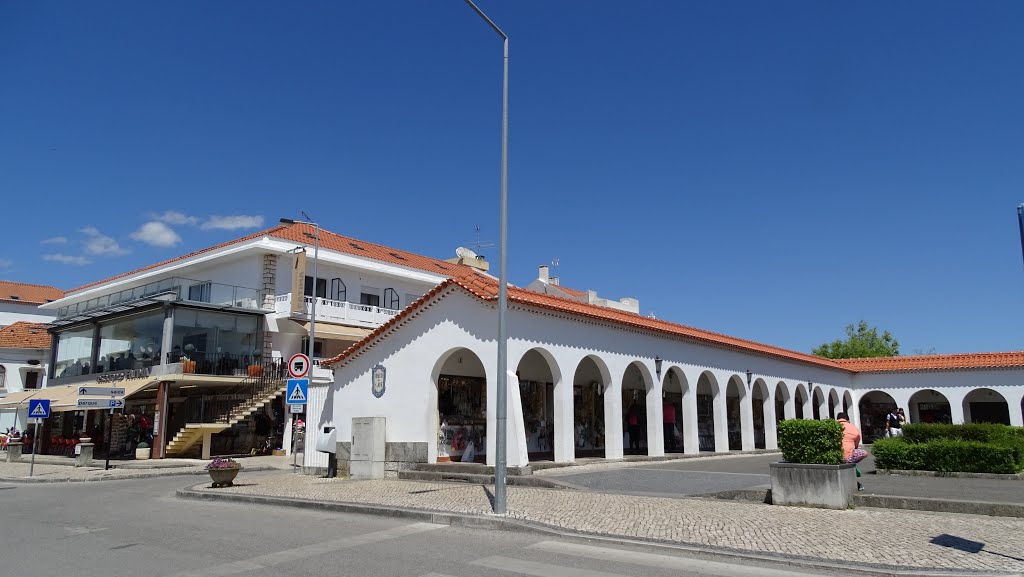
[936, 362]
[33, 294]
[328, 240]
[25, 335]
[486, 288]
[571, 291]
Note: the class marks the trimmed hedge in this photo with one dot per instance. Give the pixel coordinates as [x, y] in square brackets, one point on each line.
[946, 455]
[980, 432]
[811, 442]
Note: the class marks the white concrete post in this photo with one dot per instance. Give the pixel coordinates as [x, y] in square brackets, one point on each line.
[809, 405]
[789, 409]
[746, 418]
[613, 418]
[956, 408]
[655, 428]
[565, 428]
[691, 438]
[771, 433]
[721, 421]
[1014, 400]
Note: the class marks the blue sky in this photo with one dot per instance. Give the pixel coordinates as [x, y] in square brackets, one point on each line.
[773, 171]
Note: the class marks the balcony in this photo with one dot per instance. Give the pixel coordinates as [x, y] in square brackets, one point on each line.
[175, 289]
[340, 312]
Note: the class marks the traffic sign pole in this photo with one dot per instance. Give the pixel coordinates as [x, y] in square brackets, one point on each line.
[35, 445]
[110, 426]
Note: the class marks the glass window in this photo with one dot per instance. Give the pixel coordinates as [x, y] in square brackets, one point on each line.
[214, 337]
[200, 292]
[318, 347]
[3, 377]
[369, 299]
[339, 291]
[74, 351]
[390, 299]
[31, 380]
[131, 342]
[321, 287]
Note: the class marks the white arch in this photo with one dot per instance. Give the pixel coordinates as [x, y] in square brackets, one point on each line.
[720, 429]
[556, 378]
[746, 420]
[767, 413]
[435, 373]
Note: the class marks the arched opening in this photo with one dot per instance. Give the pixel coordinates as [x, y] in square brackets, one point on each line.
[986, 406]
[800, 401]
[817, 401]
[847, 403]
[930, 406]
[462, 408]
[874, 406]
[781, 399]
[672, 388]
[735, 391]
[590, 383]
[833, 404]
[762, 413]
[634, 411]
[537, 382]
[707, 392]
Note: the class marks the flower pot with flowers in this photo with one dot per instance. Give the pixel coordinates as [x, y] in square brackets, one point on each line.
[187, 364]
[223, 471]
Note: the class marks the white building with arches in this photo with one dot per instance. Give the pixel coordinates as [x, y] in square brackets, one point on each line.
[595, 381]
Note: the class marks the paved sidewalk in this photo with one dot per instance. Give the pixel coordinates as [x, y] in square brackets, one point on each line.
[50, 469]
[901, 539]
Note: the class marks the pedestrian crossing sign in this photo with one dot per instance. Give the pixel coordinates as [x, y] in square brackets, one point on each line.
[38, 408]
[298, 391]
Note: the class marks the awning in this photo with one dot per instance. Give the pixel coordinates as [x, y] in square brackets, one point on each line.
[65, 397]
[338, 332]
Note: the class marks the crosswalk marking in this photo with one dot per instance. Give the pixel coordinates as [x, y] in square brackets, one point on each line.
[305, 551]
[655, 560]
[537, 569]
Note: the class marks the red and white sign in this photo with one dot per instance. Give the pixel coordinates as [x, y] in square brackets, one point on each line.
[298, 366]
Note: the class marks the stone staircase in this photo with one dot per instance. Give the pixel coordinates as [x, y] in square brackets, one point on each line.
[214, 415]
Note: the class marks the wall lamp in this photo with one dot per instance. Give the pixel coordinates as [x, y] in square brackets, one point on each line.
[657, 366]
[749, 376]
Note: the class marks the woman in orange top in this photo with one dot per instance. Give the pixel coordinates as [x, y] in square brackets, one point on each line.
[852, 453]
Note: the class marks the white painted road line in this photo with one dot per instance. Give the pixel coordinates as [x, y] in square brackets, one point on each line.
[660, 561]
[306, 551]
[538, 569]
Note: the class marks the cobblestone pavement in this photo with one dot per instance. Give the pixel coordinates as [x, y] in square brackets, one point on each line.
[909, 539]
[48, 471]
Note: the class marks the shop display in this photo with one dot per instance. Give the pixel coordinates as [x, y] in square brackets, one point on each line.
[538, 415]
[462, 418]
[706, 422]
[588, 418]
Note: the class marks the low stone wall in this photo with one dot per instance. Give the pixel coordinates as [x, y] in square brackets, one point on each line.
[824, 486]
[398, 456]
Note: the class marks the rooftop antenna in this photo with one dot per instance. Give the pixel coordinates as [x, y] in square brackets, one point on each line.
[478, 244]
[554, 264]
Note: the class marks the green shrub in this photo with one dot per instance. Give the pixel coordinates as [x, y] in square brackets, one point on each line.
[948, 456]
[811, 442]
[981, 432]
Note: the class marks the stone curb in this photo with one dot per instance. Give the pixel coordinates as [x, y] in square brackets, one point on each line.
[914, 473]
[37, 480]
[890, 502]
[507, 524]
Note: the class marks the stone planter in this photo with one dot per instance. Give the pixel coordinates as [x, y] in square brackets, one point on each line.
[223, 477]
[142, 454]
[823, 486]
[14, 448]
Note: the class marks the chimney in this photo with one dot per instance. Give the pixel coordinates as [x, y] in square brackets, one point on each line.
[554, 280]
[542, 273]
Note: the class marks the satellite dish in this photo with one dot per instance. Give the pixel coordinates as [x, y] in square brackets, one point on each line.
[463, 252]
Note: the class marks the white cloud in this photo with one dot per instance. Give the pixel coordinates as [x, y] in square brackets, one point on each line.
[97, 243]
[174, 217]
[157, 234]
[55, 240]
[6, 263]
[67, 259]
[232, 222]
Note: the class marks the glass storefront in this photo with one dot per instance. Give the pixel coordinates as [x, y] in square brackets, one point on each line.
[208, 337]
[130, 342]
[74, 353]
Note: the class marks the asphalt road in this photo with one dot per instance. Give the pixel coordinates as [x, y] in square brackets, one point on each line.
[135, 528]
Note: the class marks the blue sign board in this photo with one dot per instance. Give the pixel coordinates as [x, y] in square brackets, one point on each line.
[298, 391]
[38, 408]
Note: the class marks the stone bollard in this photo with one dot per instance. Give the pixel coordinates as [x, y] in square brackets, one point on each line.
[14, 451]
[83, 454]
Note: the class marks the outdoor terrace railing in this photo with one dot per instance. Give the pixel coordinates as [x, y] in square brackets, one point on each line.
[183, 289]
[342, 312]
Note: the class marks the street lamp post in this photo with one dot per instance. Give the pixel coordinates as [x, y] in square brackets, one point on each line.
[501, 437]
[312, 313]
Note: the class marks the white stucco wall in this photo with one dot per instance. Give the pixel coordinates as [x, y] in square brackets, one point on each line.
[11, 313]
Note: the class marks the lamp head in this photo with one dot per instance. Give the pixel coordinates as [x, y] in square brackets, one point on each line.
[287, 221]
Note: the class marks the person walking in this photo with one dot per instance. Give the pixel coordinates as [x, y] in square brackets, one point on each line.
[633, 425]
[893, 424]
[852, 453]
[668, 418]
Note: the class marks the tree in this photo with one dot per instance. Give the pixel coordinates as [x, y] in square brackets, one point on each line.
[861, 341]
